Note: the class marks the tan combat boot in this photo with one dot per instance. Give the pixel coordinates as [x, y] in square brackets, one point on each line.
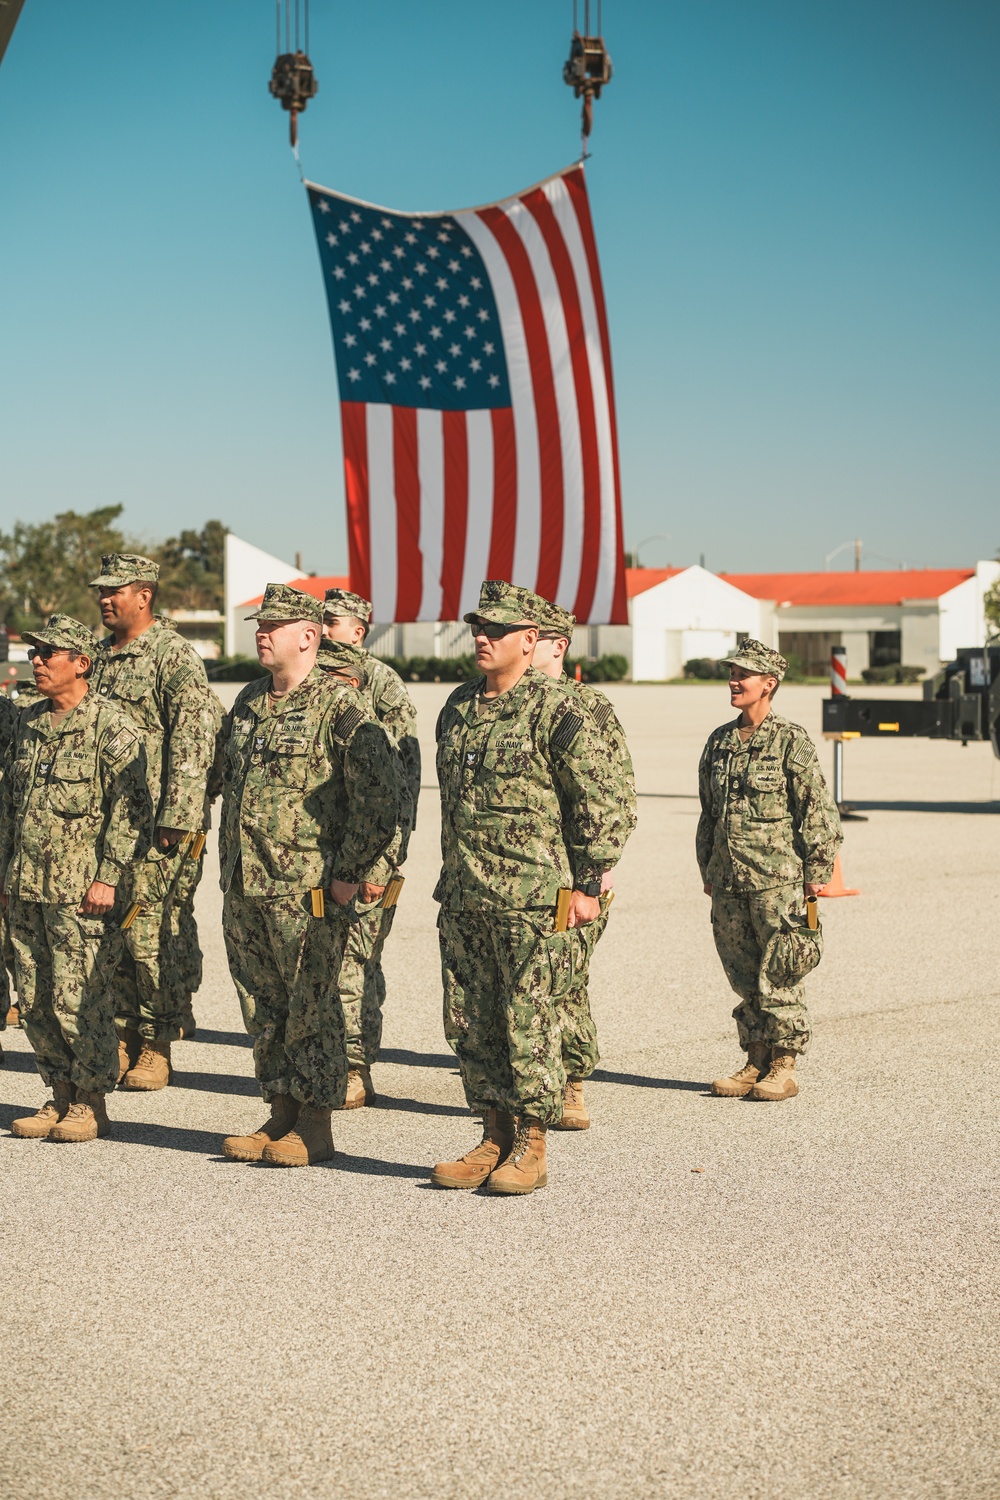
[310, 1142]
[780, 1081]
[151, 1069]
[284, 1113]
[574, 1115]
[37, 1127]
[738, 1085]
[359, 1089]
[14, 1016]
[129, 1047]
[188, 1023]
[524, 1169]
[472, 1169]
[85, 1120]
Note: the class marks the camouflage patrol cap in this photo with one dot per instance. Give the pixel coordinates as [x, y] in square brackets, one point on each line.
[343, 602]
[283, 603]
[118, 568]
[754, 656]
[792, 953]
[506, 604]
[338, 656]
[64, 633]
[555, 623]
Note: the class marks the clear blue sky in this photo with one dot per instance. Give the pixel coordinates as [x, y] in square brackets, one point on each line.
[796, 205]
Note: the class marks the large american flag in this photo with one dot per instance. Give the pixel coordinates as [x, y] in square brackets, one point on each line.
[476, 399]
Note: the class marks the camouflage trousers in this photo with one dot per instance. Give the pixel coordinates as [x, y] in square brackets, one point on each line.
[6, 968]
[742, 926]
[362, 985]
[161, 963]
[285, 963]
[64, 964]
[504, 975]
[579, 1034]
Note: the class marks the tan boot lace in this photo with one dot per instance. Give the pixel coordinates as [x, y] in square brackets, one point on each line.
[521, 1141]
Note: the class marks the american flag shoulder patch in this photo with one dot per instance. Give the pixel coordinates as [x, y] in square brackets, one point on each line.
[566, 730]
[347, 721]
[602, 713]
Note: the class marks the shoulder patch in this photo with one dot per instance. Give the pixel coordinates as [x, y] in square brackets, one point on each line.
[566, 730]
[602, 713]
[119, 743]
[805, 751]
[347, 721]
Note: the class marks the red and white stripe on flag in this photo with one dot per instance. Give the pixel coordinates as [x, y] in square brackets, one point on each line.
[438, 498]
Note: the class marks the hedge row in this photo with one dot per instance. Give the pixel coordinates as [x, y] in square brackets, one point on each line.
[611, 668]
[896, 673]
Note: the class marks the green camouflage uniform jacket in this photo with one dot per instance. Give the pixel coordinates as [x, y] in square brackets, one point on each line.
[160, 682]
[386, 696]
[75, 806]
[309, 788]
[8, 730]
[603, 714]
[529, 802]
[767, 818]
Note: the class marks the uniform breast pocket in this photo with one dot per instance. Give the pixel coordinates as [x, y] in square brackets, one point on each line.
[506, 779]
[767, 797]
[290, 762]
[71, 785]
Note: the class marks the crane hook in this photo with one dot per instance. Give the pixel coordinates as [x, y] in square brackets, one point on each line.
[587, 69]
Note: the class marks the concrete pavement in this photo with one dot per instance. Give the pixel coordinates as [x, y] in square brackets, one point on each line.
[812, 1312]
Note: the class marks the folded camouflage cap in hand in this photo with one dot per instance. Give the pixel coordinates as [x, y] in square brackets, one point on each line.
[555, 623]
[64, 634]
[283, 603]
[118, 568]
[338, 656]
[754, 656]
[506, 604]
[341, 602]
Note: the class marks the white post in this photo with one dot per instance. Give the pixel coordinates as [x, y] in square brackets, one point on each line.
[838, 686]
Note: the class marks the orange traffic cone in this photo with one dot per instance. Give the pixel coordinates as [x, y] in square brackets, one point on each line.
[835, 885]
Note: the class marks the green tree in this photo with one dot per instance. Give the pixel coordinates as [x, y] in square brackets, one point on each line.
[191, 567]
[46, 568]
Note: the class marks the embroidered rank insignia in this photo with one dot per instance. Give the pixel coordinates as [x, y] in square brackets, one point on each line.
[566, 731]
[348, 720]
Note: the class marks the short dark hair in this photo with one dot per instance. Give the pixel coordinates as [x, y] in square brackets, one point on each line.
[146, 583]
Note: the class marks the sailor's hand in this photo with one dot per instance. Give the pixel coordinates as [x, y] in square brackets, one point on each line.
[167, 838]
[582, 909]
[98, 901]
[370, 893]
[342, 891]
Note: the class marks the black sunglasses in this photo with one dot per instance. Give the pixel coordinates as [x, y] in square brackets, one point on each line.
[494, 631]
[45, 652]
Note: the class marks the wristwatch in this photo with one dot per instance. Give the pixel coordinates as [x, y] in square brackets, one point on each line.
[590, 888]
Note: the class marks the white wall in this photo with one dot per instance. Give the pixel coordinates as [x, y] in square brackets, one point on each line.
[247, 572]
[692, 614]
[962, 620]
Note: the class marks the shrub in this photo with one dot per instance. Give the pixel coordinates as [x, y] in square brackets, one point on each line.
[234, 669]
[896, 673]
[706, 668]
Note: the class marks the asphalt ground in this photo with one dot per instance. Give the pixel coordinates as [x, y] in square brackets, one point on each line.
[712, 1297]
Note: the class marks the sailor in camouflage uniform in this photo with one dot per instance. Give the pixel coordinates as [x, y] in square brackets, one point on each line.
[75, 814]
[159, 681]
[529, 809]
[767, 837]
[310, 803]
[347, 620]
[9, 1015]
[579, 1034]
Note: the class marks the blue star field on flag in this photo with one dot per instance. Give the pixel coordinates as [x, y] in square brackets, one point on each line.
[415, 322]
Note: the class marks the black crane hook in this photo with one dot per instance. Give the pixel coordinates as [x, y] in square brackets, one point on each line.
[293, 79]
[588, 67]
